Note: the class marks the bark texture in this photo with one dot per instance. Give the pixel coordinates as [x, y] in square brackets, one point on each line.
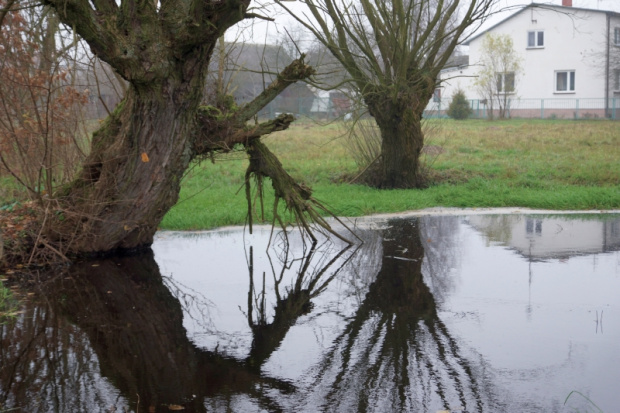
[402, 139]
[132, 176]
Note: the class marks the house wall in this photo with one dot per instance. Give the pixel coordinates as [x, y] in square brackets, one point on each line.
[575, 39]
[614, 57]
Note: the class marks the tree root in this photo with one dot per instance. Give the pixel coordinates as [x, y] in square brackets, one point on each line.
[296, 196]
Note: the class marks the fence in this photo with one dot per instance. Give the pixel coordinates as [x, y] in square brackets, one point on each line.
[329, 108]
[556, 108]
[319, 108]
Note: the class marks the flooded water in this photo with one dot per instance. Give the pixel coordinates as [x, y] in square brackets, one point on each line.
[480, 313]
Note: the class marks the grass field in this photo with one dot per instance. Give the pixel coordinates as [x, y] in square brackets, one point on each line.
[546, 164]
[9, 305]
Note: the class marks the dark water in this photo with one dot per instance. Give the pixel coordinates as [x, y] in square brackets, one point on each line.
[485, 313]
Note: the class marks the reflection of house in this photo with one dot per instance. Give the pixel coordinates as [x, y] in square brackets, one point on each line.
[541, 237]
[570, 60]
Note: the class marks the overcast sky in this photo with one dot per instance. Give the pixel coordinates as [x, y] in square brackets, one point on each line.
[262, 31]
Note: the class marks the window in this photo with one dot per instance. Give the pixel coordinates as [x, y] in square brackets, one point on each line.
[565, 81]
[533, 225]
[617, 36]
[506, 82]
[535, 39]
[437, 95]
[617, 79]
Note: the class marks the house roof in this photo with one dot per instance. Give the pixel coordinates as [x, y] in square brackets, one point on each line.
[541, 6]
[457, 61]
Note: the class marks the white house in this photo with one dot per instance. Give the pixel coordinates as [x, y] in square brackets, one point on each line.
[570, 60]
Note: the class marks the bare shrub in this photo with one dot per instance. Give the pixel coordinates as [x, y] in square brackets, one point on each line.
[41, 138]
[363, 140]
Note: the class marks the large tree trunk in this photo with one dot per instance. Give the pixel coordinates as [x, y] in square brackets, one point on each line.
[132, 176]
[402, 140]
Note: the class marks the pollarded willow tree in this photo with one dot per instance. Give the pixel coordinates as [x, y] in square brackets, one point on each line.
[393, 51]
[132, 174]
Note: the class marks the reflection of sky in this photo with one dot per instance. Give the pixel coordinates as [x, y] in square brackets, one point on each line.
[214, 264]
[535, 322]
[531, 325]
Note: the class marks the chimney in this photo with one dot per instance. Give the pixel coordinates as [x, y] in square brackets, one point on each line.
[567, 3]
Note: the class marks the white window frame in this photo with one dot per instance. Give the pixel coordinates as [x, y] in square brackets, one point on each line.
[536, 44]
[501, 83]
[569, 74]
[616, 80]
[616, 36]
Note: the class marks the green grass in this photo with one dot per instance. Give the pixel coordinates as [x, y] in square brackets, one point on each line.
[542, 164]
[9, 305]
[10, 191]
[546, 164]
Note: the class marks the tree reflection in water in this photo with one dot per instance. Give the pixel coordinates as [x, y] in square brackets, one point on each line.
[47, 365]
[317, 266]
[395, 354]
[125, 332]
[109, 334]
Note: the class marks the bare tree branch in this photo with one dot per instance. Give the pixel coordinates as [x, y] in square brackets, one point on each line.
[80, 15]
[222, 131]
[394, 50]
[6, 9]
[297, 70]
